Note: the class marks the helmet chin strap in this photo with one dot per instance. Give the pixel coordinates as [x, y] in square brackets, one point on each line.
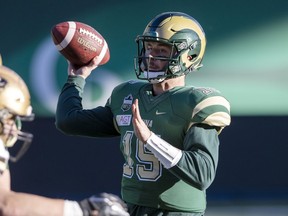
[154, 76]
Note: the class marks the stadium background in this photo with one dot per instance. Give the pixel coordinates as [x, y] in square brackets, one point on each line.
[246, 59]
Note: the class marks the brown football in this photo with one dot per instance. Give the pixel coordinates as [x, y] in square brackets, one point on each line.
[80, 43]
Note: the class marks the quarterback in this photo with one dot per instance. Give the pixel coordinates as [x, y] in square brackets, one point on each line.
[14, 108]
[168, 130]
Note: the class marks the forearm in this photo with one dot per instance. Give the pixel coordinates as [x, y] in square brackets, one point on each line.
[199, 162]
[22, 204]
[69, 103]
[72, 119]
[201, 172]
[196, 163]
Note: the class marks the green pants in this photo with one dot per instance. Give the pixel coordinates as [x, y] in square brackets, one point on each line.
[136, 210]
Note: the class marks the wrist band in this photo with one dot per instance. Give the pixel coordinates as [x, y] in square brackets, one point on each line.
[167, 154]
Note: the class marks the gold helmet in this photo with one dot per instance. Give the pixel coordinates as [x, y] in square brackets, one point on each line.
[14, 107]
[186, 38]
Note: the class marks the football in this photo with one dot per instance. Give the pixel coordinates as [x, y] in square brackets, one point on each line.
[80, 43]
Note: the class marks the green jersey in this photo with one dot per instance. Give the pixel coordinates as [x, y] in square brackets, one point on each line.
[188, 118]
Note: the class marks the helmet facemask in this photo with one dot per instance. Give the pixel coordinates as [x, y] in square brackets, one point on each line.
[145, 63]
[12, 135]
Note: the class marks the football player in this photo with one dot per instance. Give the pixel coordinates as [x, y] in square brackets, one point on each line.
[14, 108]
[169, 131]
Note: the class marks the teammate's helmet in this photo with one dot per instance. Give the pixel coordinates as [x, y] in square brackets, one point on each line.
[186, 38]
[14, 107]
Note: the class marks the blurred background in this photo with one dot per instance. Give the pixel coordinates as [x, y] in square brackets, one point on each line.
[246, 59]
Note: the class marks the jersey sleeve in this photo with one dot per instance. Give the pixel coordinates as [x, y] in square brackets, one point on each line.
[206, 113]
[198, 164]
[72, 119]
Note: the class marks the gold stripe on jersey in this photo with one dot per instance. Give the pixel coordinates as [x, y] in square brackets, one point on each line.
[220, 117]
[216, 100]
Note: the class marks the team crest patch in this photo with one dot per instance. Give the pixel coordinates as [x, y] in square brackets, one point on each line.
[123, 120]
[127, 103]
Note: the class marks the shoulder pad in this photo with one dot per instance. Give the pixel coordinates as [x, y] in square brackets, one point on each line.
[210, 108]
[202, 105]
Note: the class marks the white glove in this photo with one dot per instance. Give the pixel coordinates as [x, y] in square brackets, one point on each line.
[4, 157]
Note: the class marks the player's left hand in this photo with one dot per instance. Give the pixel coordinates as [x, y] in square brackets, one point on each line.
[103, 205]
[140, 128]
